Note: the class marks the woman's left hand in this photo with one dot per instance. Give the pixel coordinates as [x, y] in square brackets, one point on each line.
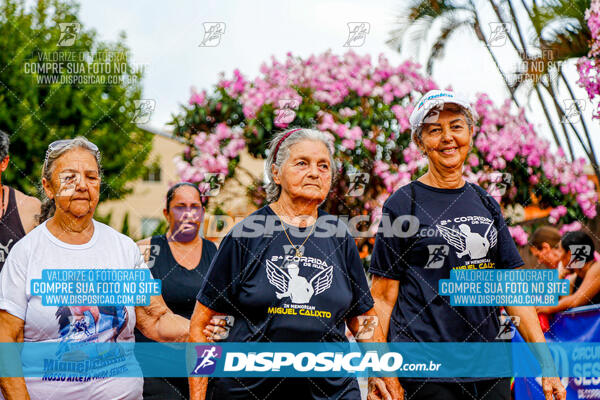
[217, 329]
[385, 389]
[553, 389]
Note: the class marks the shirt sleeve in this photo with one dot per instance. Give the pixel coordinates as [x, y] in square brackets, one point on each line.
[362, 301]
[508, 256]
[388, 250]
[13, 280]
[222, 279]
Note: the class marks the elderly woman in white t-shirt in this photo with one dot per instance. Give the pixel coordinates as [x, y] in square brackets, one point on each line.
[72, 239]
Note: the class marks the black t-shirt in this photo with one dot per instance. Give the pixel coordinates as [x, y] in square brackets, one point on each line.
[11, 229]
[257, 279]
[275, 296]
[456, 230]
[179, 284]
[179, 289]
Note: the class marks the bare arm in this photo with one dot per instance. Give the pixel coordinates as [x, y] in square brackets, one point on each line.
[217, 327]
[157, 322]
[12, 332]
[529, 328]
[387, 387]
[29, 208]
[354, 326]
[200, 318]
[588, 289]
[385, 293]
[529, 324]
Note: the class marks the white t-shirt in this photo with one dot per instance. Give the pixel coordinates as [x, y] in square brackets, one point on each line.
[107, 249]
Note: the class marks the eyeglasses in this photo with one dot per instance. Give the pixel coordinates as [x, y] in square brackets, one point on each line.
[59, 144]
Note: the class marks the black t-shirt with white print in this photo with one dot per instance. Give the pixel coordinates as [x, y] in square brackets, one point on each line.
[456, 230]
[276, 296]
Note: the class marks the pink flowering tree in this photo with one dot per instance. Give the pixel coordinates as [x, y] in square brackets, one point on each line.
[365, 106]
[589, 66]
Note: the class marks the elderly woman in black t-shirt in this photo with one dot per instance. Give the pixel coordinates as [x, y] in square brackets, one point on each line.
[459, 227]
[297, 284]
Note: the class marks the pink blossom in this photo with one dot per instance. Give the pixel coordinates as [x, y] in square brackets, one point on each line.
[197, 98]
[284, 117]
[370, 145]
[473, 160]
[556, 214]
[347, 112]
[574, 226]
[534, 179]
[355, 133]
[341, 130]
[519, 235]
[349, 144]
[402, 114]
[589, 66]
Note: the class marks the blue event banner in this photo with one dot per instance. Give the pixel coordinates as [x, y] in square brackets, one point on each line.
[579, 329]
[84, 361]
[95, 287]
[503, 287]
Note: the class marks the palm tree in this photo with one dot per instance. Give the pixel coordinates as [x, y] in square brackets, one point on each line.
[560, 28]
[452, 15]
[557, 32]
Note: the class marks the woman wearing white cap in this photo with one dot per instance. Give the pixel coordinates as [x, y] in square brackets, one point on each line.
[459, 227]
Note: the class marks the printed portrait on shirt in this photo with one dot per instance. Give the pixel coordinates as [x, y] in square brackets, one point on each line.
[91, 323]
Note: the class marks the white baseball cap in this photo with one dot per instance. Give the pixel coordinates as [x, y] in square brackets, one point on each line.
[436, 98]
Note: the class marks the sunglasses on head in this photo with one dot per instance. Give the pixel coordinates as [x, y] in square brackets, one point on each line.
[59, 144]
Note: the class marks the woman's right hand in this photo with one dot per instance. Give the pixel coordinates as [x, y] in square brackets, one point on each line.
[11, 332]
[217, 328]
[202, 317]
[385, 389]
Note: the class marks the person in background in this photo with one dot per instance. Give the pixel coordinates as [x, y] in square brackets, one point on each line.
[180, 259]
[576, 254]
[72, 239]
[544, 244]
[18, 212]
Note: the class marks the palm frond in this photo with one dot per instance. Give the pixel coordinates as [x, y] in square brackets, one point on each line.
[565, 44]
[449, 27]
[561, 9]
[420, 15]
[557, 20]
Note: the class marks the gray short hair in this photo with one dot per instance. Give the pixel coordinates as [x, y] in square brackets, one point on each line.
[417, 132]
[48, 206]
[274, 190]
